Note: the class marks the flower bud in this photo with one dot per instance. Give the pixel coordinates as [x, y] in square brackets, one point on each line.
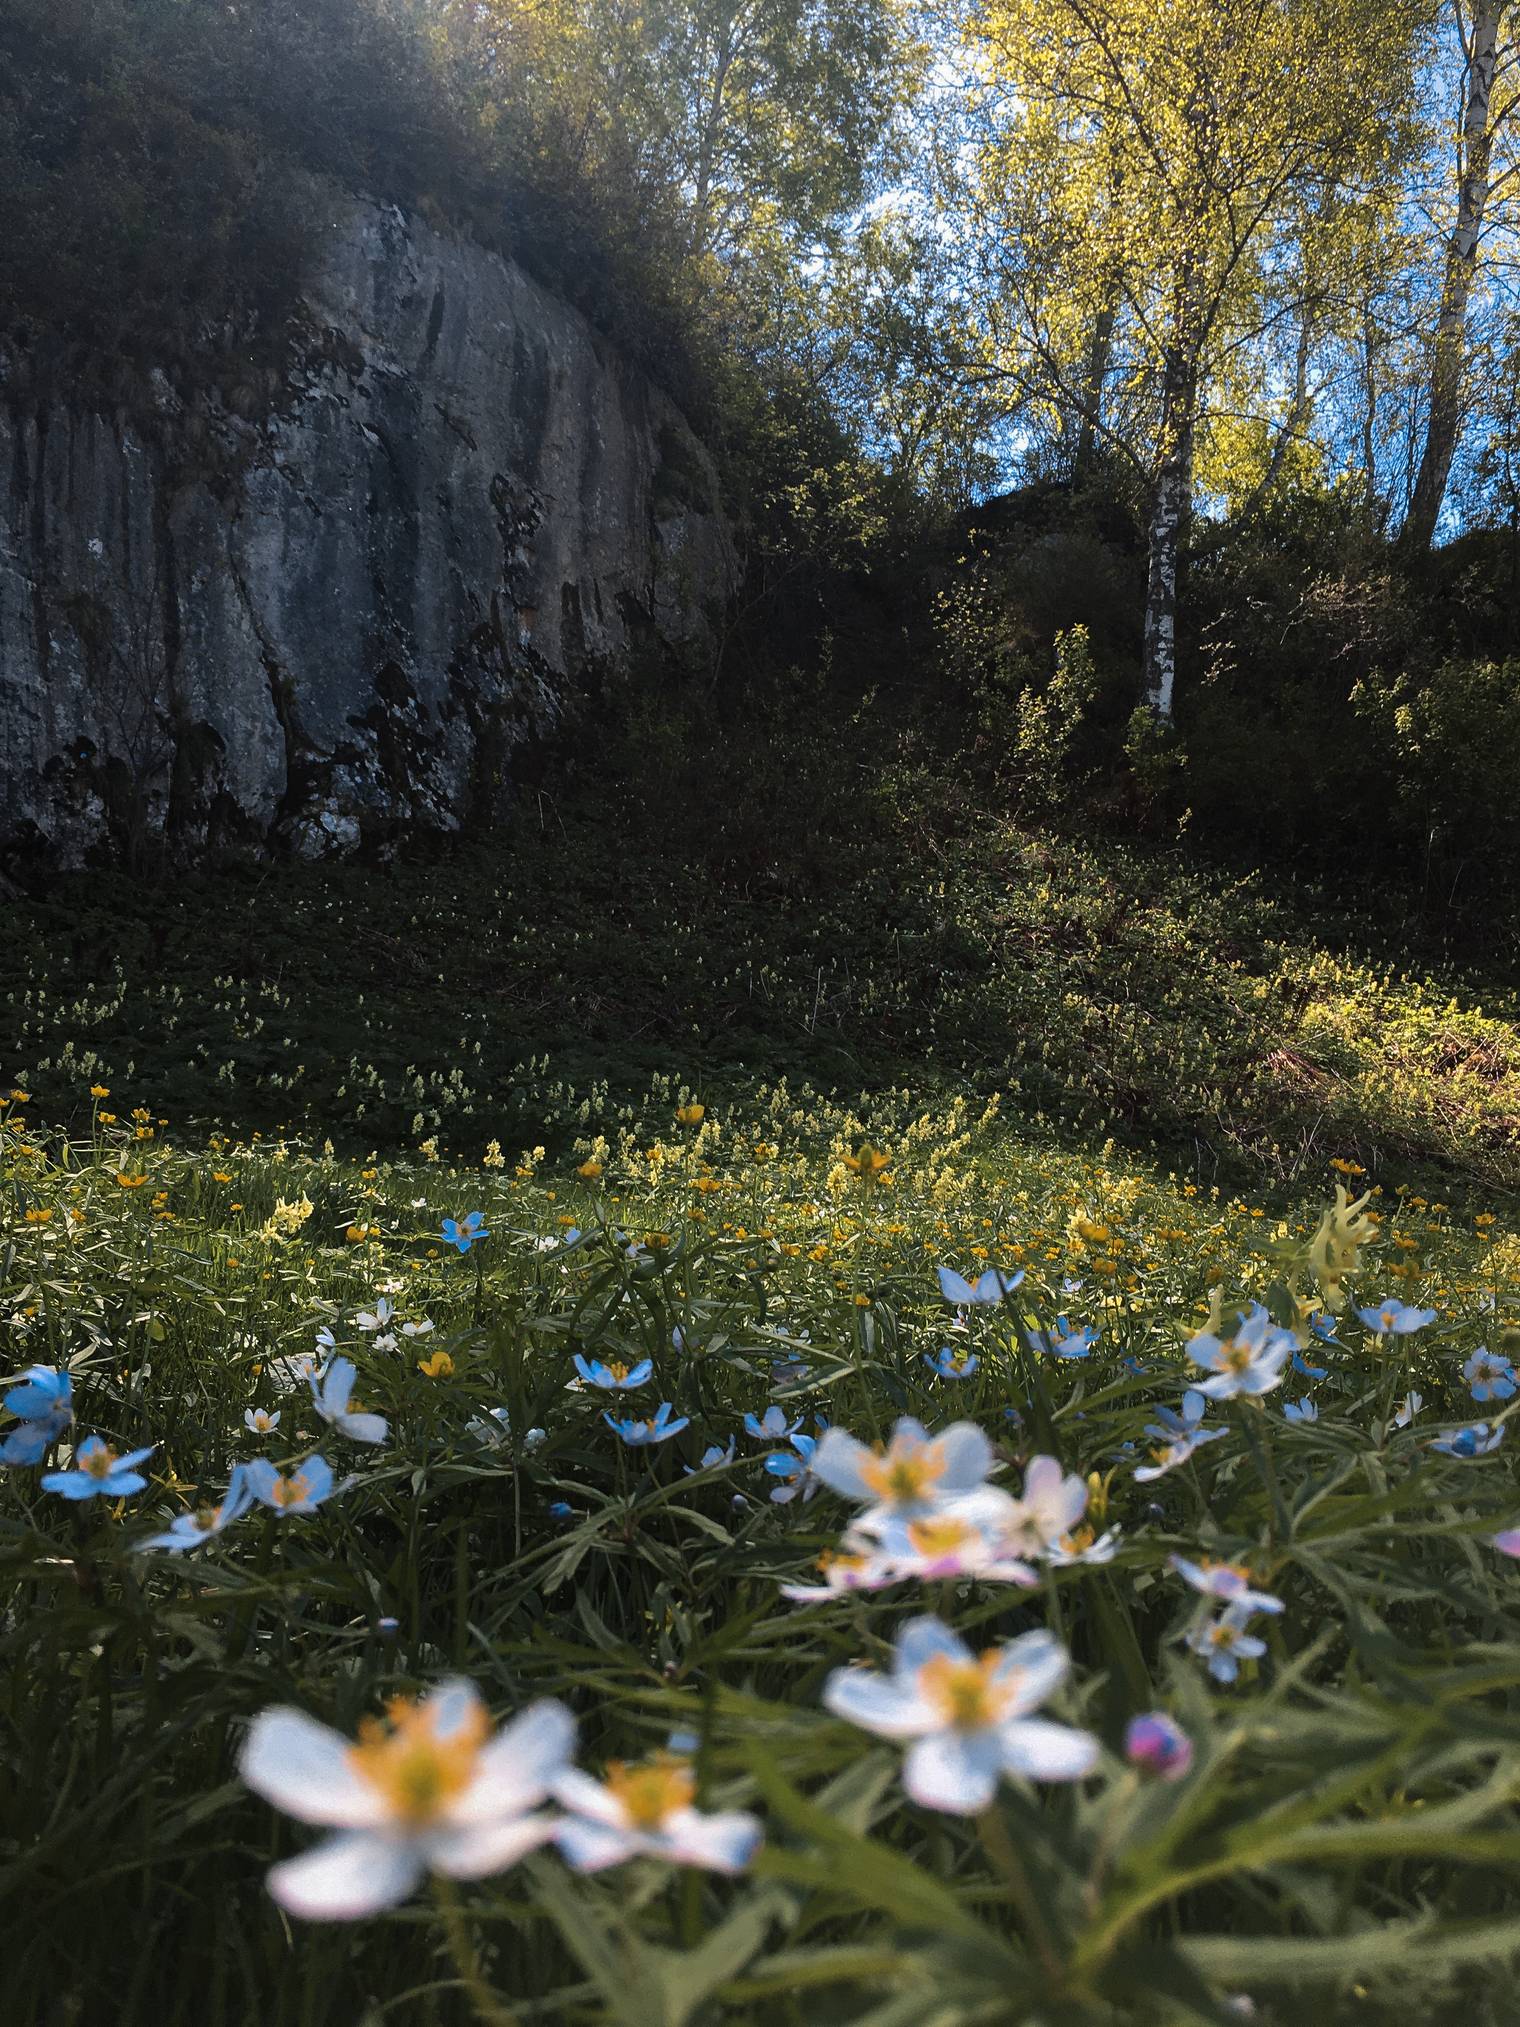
[1156, 1745]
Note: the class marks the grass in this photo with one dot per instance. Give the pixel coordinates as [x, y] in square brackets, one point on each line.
[1106, 989]
[241, 1108]
[1345, 1834]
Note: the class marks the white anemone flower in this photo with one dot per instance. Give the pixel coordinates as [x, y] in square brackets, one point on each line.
[377, 1318]
[967, 1715]
[645, 1811]
[332, 1395]
[1250, 1362]
[843, 1571]
[1047, 1510]
[965, 1538]
[426, 1790]
[915, 1475]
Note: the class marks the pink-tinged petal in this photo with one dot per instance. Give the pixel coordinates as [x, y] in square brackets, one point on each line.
[1008, 1570]
[590, 1847]
[724, 1842]
[967, 1456]
[1035, 1664]
[1046, 1752]
[928, 1639]
[517, 1767]
[953, 1771]
[880, 1703]
[1508, 1543]
[365, 1428]
[346, 1877]
[838, 1462]
[304, 1768]
[583, 1796]
[479, 1849]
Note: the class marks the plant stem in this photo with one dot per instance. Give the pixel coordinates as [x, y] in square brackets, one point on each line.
[488, 2007]
[999, 1847]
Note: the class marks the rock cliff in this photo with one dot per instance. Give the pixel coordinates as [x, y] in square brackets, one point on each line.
[282, 622]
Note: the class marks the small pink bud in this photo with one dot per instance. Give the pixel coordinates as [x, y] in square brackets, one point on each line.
[1158, 1746]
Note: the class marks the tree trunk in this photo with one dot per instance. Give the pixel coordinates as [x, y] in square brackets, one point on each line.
[1095, 378]
[1171, 509]
[1448, 356]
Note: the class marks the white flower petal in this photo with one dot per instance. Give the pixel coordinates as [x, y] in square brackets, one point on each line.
[304, 1768]
[1047, 1752]
[967, 1456]
[589, 1847]
[517, 1767]
[838, 1461]
[583, 1796]
[1037, 1663]
[880, 1703]
[724, 1842]
[346, 1877]
[954, 1771]
[926, 1639]
[481, 1848]
[364, 1428]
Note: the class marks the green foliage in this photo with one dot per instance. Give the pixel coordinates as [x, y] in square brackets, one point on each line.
[1344, 1843]
[776, 882]
[1449, 747]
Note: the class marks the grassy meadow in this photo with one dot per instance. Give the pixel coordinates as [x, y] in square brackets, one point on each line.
[501, 1132]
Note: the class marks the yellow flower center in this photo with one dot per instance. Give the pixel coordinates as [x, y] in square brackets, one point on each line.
[940, 1537]
[1080, 1539]
[617, 1368]
[1237, 1356]
[906, 1472]
[418, 1773]
[1222, 1636]
[99, 1464]
[653, 1791]
[291, 1491]
[964, 1691]
[833, 1559]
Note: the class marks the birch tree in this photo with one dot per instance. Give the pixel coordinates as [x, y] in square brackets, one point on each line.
[1145, 174]
[1484, 30]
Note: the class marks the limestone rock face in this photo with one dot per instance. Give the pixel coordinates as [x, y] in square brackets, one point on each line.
[341, 618]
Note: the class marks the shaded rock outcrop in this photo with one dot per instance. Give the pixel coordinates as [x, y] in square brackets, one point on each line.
[282, 620]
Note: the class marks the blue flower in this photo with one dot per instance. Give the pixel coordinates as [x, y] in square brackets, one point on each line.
[637, 1434]
[989, 1290]
[191, 1529]
[1066, 1342]
[1226, 1642]
[796, 1469]
[618, 1377]
[1250, 1362]
[1476, 1440]
[331, 1394]
[99, 1473]
[1301, 1411]
[952, 1364]
[465, 1231]
[1169, 1424]
[712, 1457]
[772, 1426]
[1396, 1319]
[286, 1492]
[44, 1405]
[1490, 1375]
[1301, 1364]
